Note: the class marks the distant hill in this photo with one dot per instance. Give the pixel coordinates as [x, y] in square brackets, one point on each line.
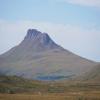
[39, 57]
[93, 74]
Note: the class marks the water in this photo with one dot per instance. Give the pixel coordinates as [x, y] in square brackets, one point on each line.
[52, 78]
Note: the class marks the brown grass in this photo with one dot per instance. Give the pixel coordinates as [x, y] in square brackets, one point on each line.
[93, 95]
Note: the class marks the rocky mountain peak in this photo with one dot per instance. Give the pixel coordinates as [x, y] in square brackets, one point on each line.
[37, 36]
[38, 41]
[31, 33]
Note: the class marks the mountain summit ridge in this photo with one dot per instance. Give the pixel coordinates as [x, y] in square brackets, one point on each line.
[32, 33]
[39, 40]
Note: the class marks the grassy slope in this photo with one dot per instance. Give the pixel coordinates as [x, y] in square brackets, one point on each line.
[93, 75]
[46, 63]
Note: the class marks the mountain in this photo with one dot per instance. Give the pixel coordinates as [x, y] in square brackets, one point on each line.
[39, 57]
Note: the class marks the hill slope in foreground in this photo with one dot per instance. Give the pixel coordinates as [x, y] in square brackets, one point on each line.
[92, 75]
[39, 57]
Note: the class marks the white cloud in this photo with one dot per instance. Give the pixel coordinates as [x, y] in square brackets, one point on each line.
[82, 41]
[95, 3]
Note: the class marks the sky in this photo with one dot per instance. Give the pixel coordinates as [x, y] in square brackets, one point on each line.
[73, 24]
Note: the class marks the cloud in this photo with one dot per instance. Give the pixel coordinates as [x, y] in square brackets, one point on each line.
[82, 41]
[95, 3]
